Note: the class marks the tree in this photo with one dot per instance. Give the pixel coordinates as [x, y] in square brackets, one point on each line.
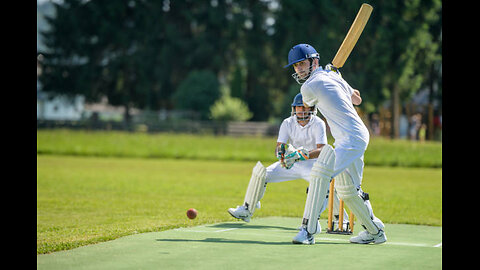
[197, 92]
[96, 49]
[138, 53]
[230, 109]
[402, 49]
[393, 56]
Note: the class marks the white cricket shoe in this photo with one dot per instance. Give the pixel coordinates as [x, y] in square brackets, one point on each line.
[240, 212]
[304, 237]
[365, 237]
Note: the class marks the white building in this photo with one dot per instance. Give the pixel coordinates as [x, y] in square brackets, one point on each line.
[59, 108]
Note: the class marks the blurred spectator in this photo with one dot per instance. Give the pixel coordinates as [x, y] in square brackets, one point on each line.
[415, 123]
[422, 132]
[375, 124]
[403, 126]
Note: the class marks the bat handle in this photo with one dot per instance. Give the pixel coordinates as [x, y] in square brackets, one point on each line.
[334, 68]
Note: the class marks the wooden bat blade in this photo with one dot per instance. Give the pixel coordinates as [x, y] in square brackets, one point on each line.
[352, 36]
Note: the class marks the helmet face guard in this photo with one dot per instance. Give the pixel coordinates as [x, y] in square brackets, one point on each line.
[302, 77]
[304, 115]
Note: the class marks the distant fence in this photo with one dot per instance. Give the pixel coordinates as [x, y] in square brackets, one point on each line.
[180, 126]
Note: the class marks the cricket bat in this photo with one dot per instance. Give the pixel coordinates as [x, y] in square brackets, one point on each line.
[352, 36]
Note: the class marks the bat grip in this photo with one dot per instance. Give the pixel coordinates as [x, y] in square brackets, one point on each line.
[334, 68]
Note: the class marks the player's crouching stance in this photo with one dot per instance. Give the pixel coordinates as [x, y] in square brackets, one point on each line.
[334, 98]
[306, 134]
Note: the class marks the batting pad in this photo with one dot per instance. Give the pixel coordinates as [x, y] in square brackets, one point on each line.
[321, 173]
[336, 207]
[348, 193]
[256, 187]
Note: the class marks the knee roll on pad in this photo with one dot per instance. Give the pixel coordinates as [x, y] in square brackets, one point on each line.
[325, 163]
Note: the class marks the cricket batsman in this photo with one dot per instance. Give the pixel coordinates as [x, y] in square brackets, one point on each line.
[327, 91]
[305, 134]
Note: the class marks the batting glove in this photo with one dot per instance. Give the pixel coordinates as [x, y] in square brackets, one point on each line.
[330, 67]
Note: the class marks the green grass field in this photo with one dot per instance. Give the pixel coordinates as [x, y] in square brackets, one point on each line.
[380, 152]
[98, 186]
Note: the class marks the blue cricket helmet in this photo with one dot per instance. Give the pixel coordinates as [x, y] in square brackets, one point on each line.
[301, 52]
[297, 100]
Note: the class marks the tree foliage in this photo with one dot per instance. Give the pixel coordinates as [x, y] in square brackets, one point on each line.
[138, 53]
[230, 109]
[197, 92]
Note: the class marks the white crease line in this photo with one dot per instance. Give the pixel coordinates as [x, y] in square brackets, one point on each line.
[226, 230]
[408, 244]
[387, 243]
[438, 245]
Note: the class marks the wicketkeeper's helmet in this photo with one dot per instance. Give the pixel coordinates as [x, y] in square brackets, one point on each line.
[298, 101]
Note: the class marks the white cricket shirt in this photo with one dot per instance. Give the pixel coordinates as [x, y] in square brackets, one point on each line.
[333, 97]
[308, 136]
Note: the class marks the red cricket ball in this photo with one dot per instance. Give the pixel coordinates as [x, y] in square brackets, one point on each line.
[192, 213]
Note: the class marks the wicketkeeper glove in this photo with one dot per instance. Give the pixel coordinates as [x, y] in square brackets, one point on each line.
[297, 155]
[281, 150]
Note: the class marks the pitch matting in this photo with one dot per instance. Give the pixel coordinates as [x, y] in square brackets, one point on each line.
[264, 243]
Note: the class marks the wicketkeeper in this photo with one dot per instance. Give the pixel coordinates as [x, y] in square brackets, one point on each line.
[300, 140]
[327, 91]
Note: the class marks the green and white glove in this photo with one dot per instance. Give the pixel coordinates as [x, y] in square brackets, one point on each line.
[290, 159]
[280, 151]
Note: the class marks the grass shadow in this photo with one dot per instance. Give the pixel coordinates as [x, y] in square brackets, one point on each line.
[224, 240]
[234, 241]
[249, 226]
